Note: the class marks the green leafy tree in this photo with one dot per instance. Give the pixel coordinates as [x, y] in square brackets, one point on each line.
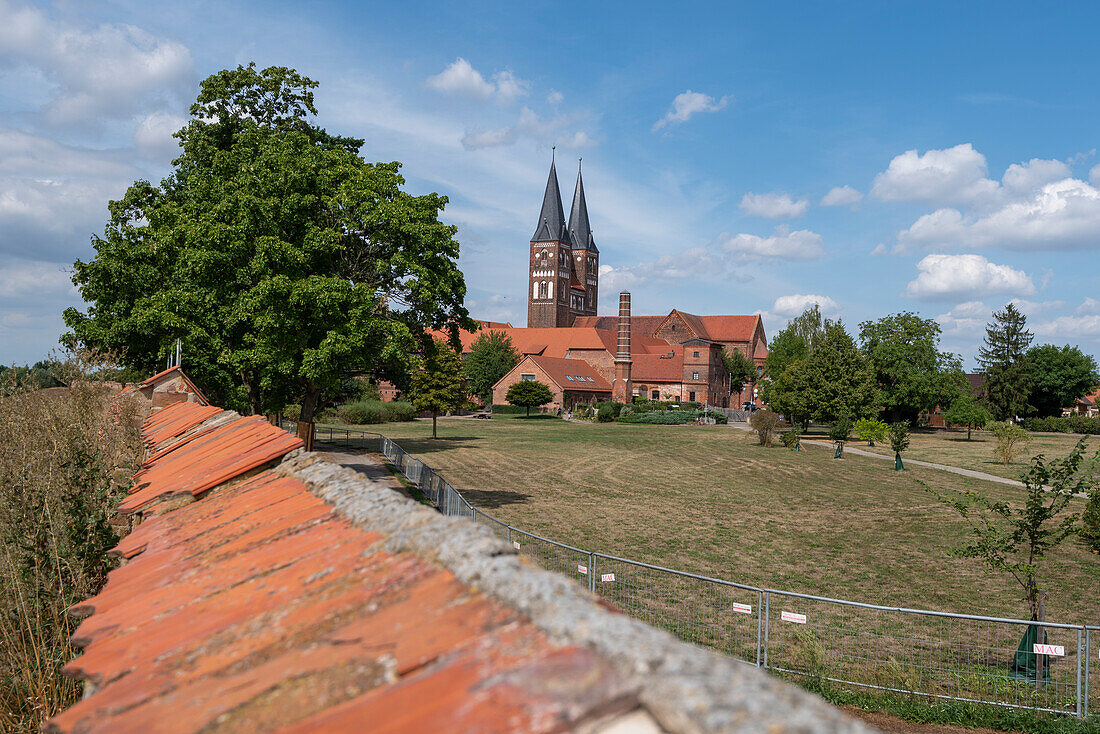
[491, 357]
[913, 375]
[795, 341]
[1012, 440]
[438, 386]
[1002, 361]
[967, 411]
[1090, 521]
[871, 430]
[740, 368]
[282, 259]
[1059, 376]
[529, 394]
[1015, 539]
[899, 442]
[834, 380]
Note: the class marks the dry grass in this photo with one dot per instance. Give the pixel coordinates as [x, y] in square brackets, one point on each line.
[951, 447]
[66, 455]
[708, 500]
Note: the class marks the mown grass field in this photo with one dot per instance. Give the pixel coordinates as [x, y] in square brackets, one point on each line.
[951, 447]
[708, 500]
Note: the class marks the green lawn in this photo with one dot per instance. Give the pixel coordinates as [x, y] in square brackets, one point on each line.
[708, 500]
[952, 448]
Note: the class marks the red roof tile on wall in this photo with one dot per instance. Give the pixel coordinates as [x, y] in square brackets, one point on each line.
[259, 608]
[175, 420]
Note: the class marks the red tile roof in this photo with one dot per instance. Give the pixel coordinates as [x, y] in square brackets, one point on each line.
[560, 370]
[658, 367]
[175, 420]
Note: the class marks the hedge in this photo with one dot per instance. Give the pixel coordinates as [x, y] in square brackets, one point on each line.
[375, 411]
[1072, 424]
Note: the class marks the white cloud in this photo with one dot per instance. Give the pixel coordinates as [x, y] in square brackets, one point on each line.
[842, 196]
[529, 125]
[1062, 215]
[783, 244]
[28, 278]
[1089, 307]
[773, 205]
[953, 175]
[1034, 308]
[554, 97]
[462, 79]
[109, 71]
[52, 197]
[954, 277]
[879, 250]
[688, 104]
[965, 320]
[1025, 178]
[1094, 175]
[153, 136]
[1070, 328]
[795, 304]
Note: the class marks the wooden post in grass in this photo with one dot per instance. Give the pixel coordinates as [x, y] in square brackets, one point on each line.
[306, 433]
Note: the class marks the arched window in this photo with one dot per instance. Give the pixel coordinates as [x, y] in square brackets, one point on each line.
[551, 290]
[535, 289]
[542, 289]
[545, 255]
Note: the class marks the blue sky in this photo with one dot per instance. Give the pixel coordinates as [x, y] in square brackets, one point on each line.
[738, 157]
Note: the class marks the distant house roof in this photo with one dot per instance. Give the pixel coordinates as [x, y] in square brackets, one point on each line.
[977, 383]
[574, 375]
[658, 368]
[715, 328]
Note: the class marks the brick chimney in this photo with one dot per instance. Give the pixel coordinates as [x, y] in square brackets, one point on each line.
[621, 389]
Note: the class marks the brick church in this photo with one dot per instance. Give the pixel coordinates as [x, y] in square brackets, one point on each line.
[677, 356]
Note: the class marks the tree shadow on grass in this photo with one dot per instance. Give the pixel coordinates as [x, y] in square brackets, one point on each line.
[489, 499]
[429, 445]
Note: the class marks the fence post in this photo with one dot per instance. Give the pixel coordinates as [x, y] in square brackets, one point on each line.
[767, 618]
[592, 572]
[508, 528]
[759, 617]
[1079, 664]
[1088, 654]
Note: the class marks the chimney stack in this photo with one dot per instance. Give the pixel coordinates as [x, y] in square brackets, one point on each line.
[622, 391]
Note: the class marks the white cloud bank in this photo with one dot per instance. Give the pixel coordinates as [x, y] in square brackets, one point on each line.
[1037, 204]
[460, 78]
[773, 206]
[966, 277]
[530, 125]
[688, 104]
[801, 244]
[795, 304]
[110, 71]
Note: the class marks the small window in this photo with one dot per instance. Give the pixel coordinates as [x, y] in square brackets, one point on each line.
[696, 354]
[655, 395]
[527, 378]
[694, 376]
[570, 378]
[691, 396]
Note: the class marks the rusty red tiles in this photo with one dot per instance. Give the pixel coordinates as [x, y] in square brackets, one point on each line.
[246, 604]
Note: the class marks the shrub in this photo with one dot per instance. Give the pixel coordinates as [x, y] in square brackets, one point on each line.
[1071, 424]
[605, 413]
[791, 439]
[871, 430]
[1090, 521]
[899, 436]
[1083, 424]
[841, 430]
[375, 411]
[505, 409]
[1012, 441]
[292, 412]
[627, 410]
[765, 423]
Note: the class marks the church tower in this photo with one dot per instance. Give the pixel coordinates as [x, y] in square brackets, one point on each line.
[586, 258]
[549, 287]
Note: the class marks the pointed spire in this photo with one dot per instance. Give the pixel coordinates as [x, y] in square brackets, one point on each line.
[551, 224]
[579, 228]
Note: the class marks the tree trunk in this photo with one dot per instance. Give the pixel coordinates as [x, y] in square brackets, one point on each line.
[309, 402]
[434, 414]
[251, 385]
[968, 433]
[528, 411]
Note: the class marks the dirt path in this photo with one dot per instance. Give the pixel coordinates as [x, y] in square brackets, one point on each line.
[368, 464]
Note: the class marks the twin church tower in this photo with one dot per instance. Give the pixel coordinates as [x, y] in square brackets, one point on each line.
[565, 264]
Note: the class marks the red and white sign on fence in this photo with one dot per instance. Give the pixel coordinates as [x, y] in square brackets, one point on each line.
[515, 544]
[793, 617]
[582, 569]
[742, 608]
[607, 577]
[1055, 650]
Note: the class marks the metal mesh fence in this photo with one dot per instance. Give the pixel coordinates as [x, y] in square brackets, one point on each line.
[909, 651]
[706, 611]
[961, 657]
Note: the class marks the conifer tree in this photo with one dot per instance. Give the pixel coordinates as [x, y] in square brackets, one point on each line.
[1002, 361]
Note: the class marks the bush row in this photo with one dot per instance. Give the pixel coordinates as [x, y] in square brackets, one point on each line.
[375, 411]
[1072, 424]
[669, 417]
